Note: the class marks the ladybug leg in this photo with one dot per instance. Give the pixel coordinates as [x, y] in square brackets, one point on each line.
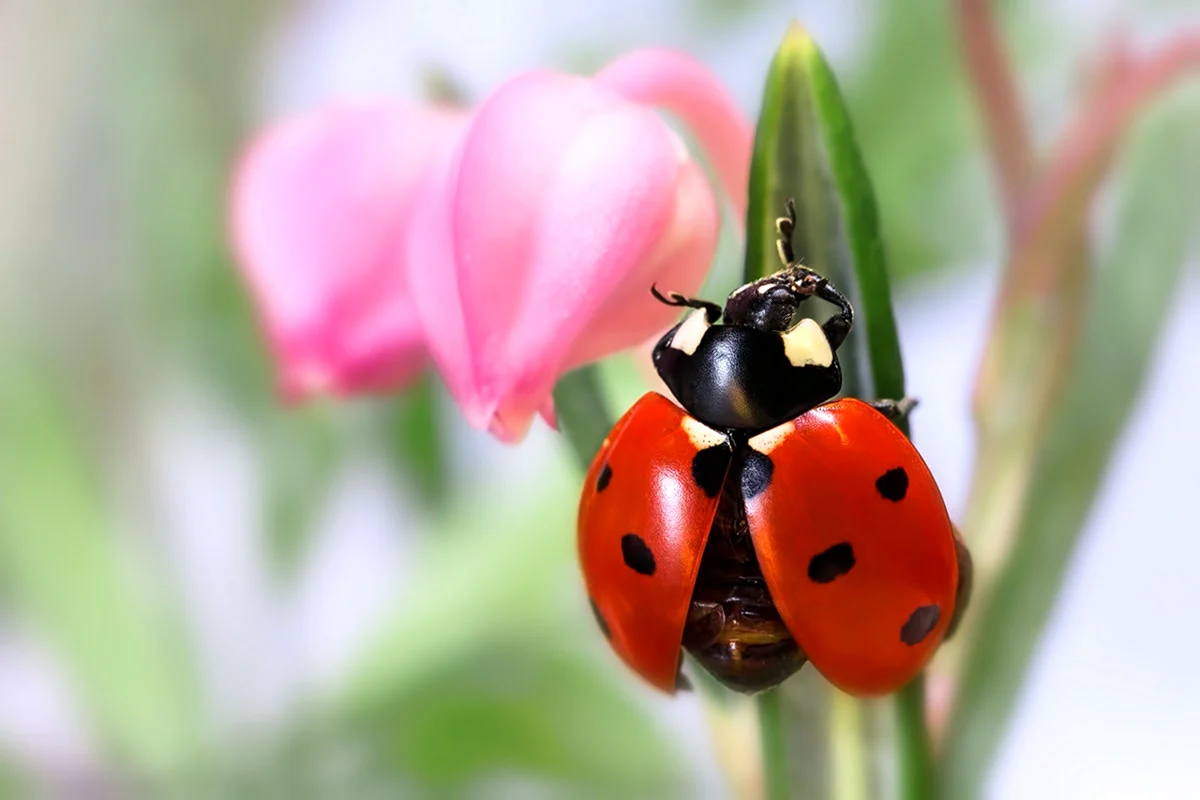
[682, 682]
[966, 576]
[895, 409]
[838, 326]
[806, 283]
[711, 310]
[785, 226]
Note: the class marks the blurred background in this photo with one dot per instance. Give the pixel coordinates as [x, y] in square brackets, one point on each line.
[201, 589]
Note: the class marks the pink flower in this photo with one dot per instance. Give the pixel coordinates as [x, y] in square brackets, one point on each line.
[537, 241]
[320, 209]
[513, 244]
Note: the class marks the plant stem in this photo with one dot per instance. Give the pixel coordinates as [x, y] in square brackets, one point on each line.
[583, 414]
[850, 775]
[990, 70]
[774, 752]
[914, 749]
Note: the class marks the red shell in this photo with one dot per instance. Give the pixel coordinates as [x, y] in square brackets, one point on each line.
[855, 545]
[848, 525]
[648, 492]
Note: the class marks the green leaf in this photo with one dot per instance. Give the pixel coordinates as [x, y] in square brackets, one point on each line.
[915, 130]
[301, 451]
[1129, 301]
[71, 576]
[12, 783]
[495, 568]
[528, 709]
[467, 681]
[805, 149]
[416, 419]
[583, 414]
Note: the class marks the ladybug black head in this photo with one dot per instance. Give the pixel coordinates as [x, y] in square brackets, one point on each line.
[759, 368]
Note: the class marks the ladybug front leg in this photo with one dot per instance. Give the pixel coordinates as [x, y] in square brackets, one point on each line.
[837, 327]
[785, 227]
[895, 410]
[712, 311]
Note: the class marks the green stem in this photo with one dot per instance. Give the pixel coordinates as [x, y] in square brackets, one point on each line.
[774, 753]
[850, 757]
[583, 414]
[914, 748]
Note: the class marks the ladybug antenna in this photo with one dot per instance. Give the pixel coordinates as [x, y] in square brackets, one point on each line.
[785, 227]
[711, 310]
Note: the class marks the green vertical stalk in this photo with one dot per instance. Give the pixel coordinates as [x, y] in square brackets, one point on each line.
[774, 753]
[583, 414]
[805, 150]
[914, 749]
[850, 767]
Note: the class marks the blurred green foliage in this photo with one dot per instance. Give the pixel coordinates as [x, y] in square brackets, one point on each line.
[479, 671]
[73, 576]
[1132, 295]
[911, 111]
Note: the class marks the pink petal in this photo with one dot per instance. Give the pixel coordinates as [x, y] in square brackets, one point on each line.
[679, 262]
[433, 283]
[685, 87]
[563, 191]
[548, 413]
[319, 204]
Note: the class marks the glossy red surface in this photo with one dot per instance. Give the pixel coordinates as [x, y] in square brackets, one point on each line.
[822, 495]
[650, 493]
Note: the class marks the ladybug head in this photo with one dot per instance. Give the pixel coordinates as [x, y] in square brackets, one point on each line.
[760, 367]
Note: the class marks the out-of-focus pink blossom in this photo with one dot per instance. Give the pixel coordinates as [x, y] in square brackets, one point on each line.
[320, 206]
[537, 240]
[512, 244]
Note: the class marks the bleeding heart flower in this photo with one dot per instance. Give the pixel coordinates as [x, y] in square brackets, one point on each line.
[537, 240]
[320, 206]
[516, 244]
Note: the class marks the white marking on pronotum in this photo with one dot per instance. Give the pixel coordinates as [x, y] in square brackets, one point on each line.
[767, 441]
[702, 436]
[690, 332]
[806, 345]
[766, 287]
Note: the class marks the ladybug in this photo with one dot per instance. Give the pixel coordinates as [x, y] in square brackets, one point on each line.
[759, 523]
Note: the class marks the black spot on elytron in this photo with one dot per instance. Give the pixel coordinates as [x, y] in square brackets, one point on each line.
[709, 467]
[600, 619]
[919, 624]
[893, 484]
[604, 477]
[757, 471]
[636, 554]
[832, 563]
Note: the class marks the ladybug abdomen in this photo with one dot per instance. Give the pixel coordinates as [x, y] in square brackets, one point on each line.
[733, 628]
